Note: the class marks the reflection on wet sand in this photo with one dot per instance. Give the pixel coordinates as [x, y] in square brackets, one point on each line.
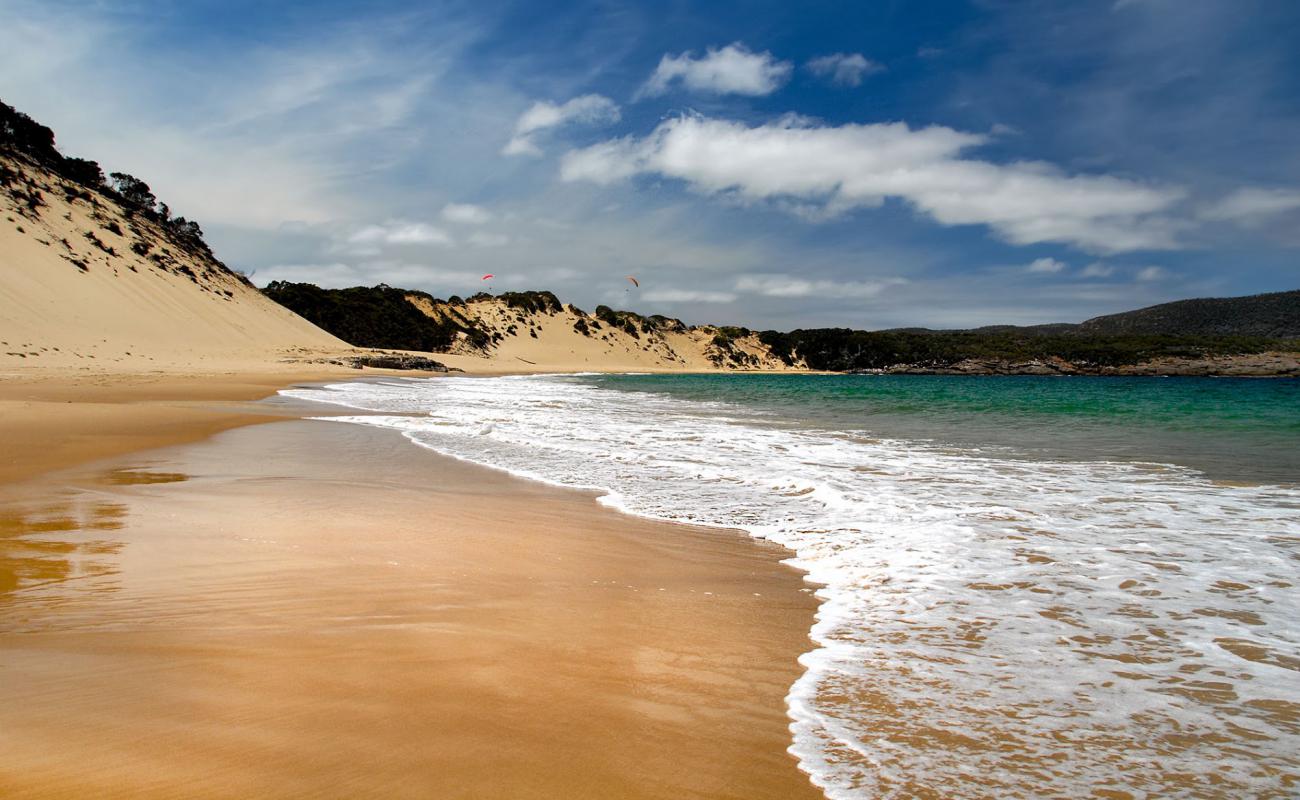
[134, 476]
[57, 541]
[326, 611]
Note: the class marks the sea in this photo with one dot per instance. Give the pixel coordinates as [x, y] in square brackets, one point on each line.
[1030, 586]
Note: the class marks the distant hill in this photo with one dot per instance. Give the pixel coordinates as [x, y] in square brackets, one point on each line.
[1257, 335]
[1275, 316]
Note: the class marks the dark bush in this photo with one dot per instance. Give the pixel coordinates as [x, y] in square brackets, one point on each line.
[378, 316]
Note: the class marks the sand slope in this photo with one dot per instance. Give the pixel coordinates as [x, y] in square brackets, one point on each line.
[553, 341]
[85, 284]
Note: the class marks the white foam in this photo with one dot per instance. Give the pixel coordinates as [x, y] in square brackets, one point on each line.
[988, 626]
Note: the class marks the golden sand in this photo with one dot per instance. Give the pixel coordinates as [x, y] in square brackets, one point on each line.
[312, 609]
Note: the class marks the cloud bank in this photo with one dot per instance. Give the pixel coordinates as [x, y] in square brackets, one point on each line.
[838, 168]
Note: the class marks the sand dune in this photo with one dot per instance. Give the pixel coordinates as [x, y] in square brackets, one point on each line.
[554, 341]
[85, 284]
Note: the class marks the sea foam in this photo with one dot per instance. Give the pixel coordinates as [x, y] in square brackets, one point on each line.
[990, 626]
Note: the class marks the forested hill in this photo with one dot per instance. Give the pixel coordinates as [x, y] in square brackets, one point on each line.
[1275, 316]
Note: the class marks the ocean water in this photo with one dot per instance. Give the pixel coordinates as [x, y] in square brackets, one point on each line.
[1031, 587]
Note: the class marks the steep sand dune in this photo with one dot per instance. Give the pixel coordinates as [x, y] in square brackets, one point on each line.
[85, 283]
[570, 340]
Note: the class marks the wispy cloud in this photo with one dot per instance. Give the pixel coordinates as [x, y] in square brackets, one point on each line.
[1152, 274]
[844, 69]
[1253, 206]
[1097, 269]
[852, 166]
[1049, 266]
[777, 285]
[734, 69]
[256, 137]
[589, 109]
[372, 239]
[466, 214]
[688, 296]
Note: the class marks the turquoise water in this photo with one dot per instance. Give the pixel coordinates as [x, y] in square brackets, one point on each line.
[1231, 429]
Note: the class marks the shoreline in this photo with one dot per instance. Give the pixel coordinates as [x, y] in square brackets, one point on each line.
[54, 419]
[194, 618]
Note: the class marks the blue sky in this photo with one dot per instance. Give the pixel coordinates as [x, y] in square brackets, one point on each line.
[869, 164]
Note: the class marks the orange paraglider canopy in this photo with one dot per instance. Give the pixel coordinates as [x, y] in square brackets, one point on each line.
[635, 282]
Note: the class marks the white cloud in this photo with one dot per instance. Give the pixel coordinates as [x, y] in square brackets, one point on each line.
[1097, 270]
[790, 286]
[1152, 273]
[844, 69]
[1252, 206]
[733, 69]
[466, 214]
[852, 166]
[588, 109]
[688, 296]
[1045, 266]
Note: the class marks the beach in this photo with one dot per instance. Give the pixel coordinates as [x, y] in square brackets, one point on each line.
[310, 609]
[1030, 586]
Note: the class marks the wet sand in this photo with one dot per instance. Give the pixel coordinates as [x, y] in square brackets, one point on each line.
[54, 419]
[312, 609]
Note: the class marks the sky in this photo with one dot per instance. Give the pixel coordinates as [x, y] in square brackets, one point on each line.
[770, 164]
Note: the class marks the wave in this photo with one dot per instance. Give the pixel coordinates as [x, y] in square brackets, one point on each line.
[988, 625]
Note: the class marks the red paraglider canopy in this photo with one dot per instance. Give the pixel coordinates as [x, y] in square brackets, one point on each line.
[489, 275]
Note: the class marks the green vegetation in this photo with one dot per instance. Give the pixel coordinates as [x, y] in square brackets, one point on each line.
[842, 349]
[628, 321]
[1275, 316]
[532, 302]
[23, 137]
[635, 324]
[378, 316]
[724, 350]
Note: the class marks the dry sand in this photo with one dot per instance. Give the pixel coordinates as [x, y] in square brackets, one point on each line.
[312, 609]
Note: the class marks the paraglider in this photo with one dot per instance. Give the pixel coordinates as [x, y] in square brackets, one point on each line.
[634, 281]
[485, 278]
